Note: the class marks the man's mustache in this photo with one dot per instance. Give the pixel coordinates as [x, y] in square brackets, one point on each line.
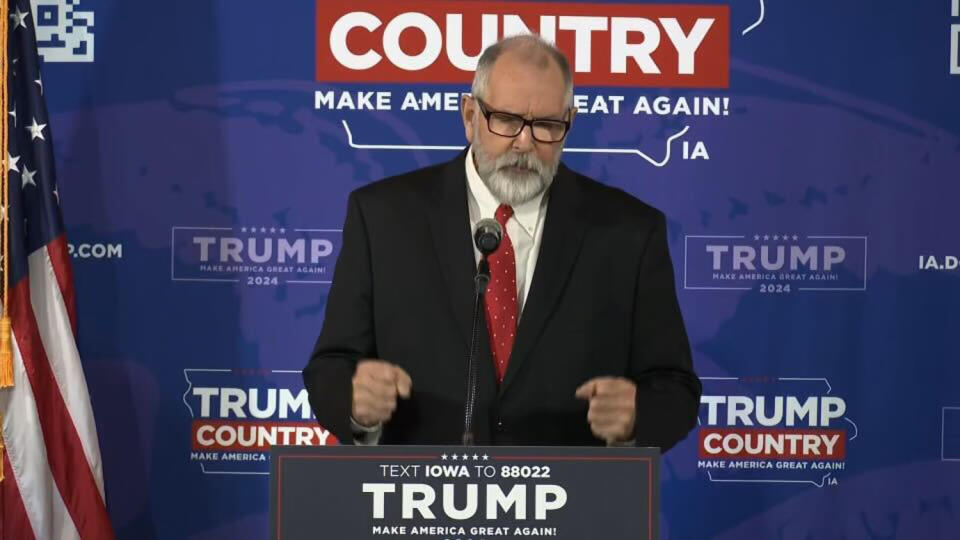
[523, 161]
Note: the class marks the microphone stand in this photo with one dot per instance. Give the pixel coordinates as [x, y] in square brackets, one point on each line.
[480, 282]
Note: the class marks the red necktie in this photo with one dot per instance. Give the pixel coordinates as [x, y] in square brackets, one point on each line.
[501, 297]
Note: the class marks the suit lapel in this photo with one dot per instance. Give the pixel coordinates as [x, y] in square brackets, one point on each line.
[562, 236]
[450, 229]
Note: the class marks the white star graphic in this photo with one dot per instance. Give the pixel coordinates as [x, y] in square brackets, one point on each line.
[13, 113]
[263, 229]
[282, 230]
[36, 130]
[465, 456]
[476, 457]
[795, 238]
[26, 177]
[443, 457]
[18, 18]
[40, 84]
[766, 237]
[243, 229]
[776, 237]
[13, 162]
[273, 229]
[756, 237]
[456, 457]
[486, 457]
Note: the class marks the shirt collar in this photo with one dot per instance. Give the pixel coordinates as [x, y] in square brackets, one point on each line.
[526, 214]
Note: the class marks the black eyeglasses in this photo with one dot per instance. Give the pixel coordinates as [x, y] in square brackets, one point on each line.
[510, 125]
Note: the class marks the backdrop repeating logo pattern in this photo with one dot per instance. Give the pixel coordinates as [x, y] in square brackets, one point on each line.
[235, 421]
[775, 263]
[255, 256]
[786, 430]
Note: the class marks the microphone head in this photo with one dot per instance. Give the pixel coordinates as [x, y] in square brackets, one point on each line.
[487, 236]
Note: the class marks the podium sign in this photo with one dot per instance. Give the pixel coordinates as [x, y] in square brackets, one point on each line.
[361, 492]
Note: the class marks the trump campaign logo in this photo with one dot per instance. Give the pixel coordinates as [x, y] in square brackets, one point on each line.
[623, 58]
[792, 430]
[254, 256]
[238, 414]
[775, 263]
[646, 45]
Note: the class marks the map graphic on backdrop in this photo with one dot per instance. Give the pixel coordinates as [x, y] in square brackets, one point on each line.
[817, 157]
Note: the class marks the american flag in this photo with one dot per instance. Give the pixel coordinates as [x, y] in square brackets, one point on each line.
[53, 486]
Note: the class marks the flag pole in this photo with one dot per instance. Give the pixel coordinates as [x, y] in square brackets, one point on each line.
[6, 350]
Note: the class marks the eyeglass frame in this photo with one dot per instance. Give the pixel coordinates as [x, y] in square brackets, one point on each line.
[487, 113]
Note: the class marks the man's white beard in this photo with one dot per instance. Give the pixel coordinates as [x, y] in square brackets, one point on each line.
[510, 186]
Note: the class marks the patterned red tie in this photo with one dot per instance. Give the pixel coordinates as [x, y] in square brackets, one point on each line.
[501, 297]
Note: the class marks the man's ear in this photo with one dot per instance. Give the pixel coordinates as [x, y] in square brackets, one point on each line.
[468, 110]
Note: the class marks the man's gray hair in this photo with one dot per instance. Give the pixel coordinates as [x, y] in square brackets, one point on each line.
[533, 49]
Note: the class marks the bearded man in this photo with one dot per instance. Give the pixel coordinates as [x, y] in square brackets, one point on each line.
[582, 340]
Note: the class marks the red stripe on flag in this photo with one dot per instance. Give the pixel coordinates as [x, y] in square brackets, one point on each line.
[69, 466]
[14, 523]
[60, 257]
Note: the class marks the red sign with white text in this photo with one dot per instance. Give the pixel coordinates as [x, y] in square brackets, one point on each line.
[662, 45]
[753, 443]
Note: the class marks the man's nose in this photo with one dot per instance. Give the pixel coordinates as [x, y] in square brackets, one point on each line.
[524, 141]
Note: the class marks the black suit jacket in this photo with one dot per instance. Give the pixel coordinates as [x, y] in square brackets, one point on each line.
[602, 302]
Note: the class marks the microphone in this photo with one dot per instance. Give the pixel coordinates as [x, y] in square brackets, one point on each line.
[486, 237]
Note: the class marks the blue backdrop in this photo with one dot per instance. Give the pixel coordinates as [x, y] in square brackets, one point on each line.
[203, 185]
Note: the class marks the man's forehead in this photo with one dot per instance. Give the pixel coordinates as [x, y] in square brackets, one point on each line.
[524, 87]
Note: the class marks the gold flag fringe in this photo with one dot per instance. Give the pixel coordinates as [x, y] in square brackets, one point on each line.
[6, 349]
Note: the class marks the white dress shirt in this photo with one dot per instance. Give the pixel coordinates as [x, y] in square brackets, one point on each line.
[525, 227]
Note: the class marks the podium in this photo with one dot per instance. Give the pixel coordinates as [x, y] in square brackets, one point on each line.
[456, 492]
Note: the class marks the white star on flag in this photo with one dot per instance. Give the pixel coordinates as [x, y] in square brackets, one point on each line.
[13, 113]
[26, 176]
[19, 18]
[36, 130]
[40, 84]
[13, 162]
